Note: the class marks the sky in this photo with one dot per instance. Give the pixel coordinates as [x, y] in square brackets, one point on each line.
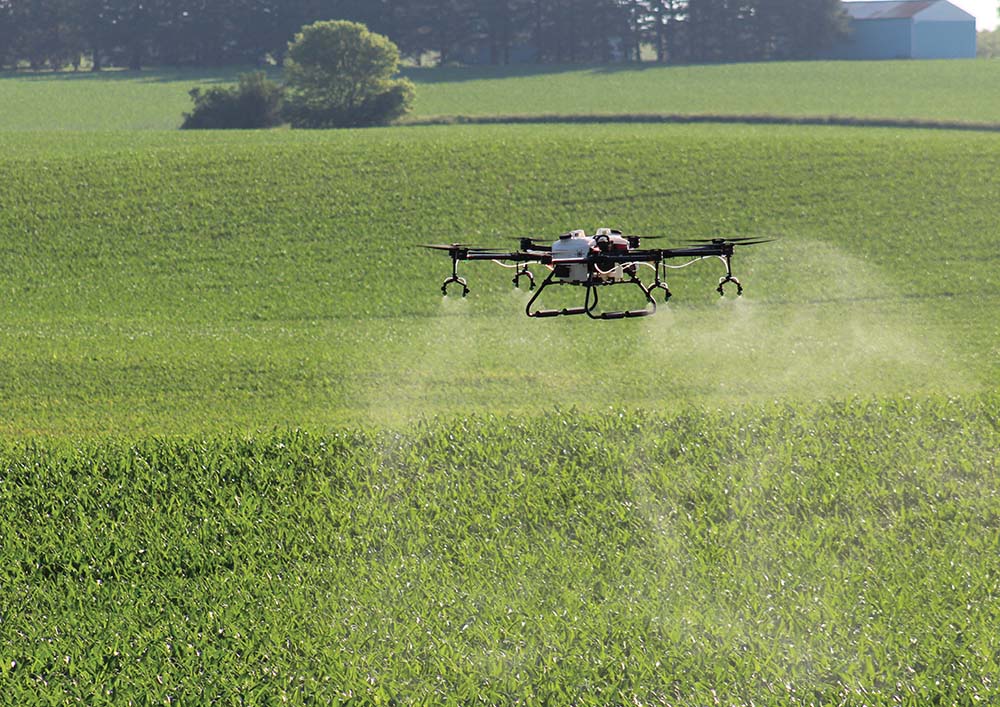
[984, 10]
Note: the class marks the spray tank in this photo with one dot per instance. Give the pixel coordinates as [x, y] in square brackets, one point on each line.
[572, 246]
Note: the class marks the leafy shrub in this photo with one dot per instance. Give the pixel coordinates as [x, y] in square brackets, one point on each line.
[339, 74]
[255, 102]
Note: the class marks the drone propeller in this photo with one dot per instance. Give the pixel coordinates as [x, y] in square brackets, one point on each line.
[530, 243]
[455, 248]
[753, 240]
[444, 246]
[440, 246]
[529, 238]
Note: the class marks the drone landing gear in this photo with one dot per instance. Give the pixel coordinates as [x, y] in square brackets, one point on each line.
[659, 284]
[524, 272]
[455, 279]
[622, 314]
[729, 278]
[591, 300]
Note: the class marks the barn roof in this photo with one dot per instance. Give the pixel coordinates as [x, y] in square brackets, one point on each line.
[886, 9]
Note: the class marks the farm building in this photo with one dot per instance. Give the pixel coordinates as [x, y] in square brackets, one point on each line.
[906, 29]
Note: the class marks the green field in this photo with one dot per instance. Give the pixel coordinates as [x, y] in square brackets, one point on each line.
[249, 454]
[961, 91]
[168, 283]
[839, 553]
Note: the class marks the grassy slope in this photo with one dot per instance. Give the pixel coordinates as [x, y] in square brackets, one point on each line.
[177, 282]
[952, 90]
[122, 100]
[942, 90]
[774, 551]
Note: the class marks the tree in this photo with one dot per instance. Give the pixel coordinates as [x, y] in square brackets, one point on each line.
[988, 44]
[338, 74]
[43, 34]
[254, 103]
[10, 29]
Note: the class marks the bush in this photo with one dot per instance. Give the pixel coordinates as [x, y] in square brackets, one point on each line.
[339, 74]
[988, 44]
[255, 102]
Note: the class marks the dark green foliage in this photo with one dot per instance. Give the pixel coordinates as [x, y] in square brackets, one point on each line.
[377, 109]
[127, 33]
[752, 31]
[254, 103]
[339, 75]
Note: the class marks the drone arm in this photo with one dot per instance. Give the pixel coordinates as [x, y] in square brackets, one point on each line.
[699, 251]
[514, 257]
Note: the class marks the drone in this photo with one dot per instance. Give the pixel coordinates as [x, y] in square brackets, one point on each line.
[606, 259]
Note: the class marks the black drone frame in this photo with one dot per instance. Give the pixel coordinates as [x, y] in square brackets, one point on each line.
[598, 263]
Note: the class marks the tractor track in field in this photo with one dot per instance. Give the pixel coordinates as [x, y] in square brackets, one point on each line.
[695, 118]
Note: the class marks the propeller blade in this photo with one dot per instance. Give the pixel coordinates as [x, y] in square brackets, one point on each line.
[724, 240]
[451, 246]
[527, 243]
[440, 246]
[539, 241]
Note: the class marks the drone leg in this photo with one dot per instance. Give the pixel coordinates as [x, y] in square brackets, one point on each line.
[728, 278]
[455, 278]
[724, 280]
[541, 312]
[524, 272]
[650, 307]
[659, 284]
[589, 306]
[550, 312]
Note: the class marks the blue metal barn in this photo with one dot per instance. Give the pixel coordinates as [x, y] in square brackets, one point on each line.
[906, 29]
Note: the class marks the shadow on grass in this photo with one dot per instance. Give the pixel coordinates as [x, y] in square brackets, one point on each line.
[217, 75]
[457, 74]
[682, 118]
[229, 74]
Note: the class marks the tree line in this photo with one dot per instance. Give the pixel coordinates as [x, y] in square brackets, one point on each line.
[134, 33]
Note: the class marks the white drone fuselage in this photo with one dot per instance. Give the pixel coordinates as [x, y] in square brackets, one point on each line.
[570, 252]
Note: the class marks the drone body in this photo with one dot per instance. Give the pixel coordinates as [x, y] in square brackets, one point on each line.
[605, 259]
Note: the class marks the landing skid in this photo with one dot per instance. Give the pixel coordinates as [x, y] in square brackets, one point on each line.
[591, 299]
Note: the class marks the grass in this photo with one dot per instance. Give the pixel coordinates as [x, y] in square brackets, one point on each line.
[122, 100]
[942, 90]
[168, 283]
[775, 554]
[249, 454]
[952, 90]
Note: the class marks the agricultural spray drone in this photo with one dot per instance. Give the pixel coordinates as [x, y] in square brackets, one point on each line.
[605, 259]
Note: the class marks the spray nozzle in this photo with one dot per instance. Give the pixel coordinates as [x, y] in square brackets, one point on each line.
[727, 279]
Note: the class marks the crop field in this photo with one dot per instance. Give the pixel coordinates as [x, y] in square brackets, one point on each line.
[170, 283]
[249, 454]
[960, 91]
[837, 553]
